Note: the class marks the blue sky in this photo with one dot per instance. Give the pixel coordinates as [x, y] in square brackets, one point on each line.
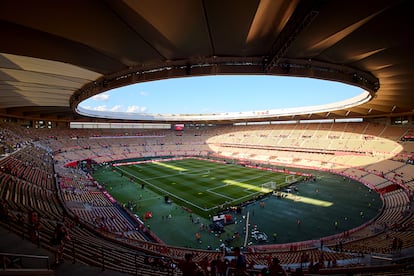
[215, 94]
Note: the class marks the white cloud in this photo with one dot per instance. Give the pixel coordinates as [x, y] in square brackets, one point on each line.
[143, 93]
[100, 97]
[100, 108]
[136, 109]
[116, 108]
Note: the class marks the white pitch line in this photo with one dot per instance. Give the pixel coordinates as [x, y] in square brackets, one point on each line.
[208, 190]
[221, 195]
[180, 198]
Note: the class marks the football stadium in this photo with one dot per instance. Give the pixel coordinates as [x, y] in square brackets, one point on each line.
[324, 189]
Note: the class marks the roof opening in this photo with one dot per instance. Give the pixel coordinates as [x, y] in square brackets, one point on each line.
[235, 95]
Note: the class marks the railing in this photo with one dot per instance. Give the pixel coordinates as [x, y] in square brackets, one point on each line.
[107, 255]
[126, 261]
[23, 262]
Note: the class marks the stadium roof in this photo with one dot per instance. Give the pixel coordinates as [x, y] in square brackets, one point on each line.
[54, 54]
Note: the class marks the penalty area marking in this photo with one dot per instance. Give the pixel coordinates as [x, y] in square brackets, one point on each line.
[218, 194]
[167, 192]
[164, 191]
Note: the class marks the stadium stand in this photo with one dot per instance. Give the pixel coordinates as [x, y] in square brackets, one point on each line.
[56, 54]
[34, 179]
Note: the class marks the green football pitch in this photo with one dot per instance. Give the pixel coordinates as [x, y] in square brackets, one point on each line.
[202, 186]
[206, 187]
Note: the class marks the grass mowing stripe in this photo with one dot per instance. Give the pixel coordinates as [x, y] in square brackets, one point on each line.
[279, 215]
[162, 190]
[177, 193]
[202, 184]
[218, 194]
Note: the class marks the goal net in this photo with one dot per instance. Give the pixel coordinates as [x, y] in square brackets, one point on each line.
[290, 179]
[268, 187]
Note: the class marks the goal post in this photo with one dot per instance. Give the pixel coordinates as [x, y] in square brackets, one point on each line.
[289, 179]
[268, 187]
